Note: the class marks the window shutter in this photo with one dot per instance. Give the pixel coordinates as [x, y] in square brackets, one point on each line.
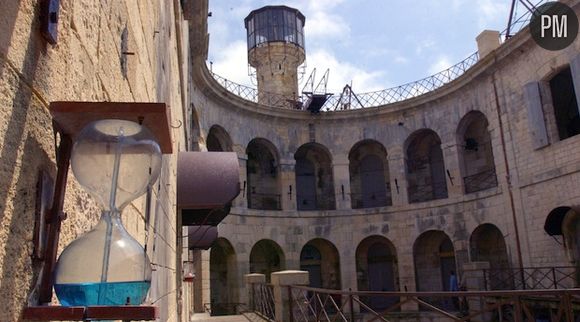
[536, 121]
[575, 69]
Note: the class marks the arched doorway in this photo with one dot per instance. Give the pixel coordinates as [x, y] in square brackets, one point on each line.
[425, 167]
[434, 257]
[488, 245]
[476, 153]
[266, 257]
[320, 258]
[376, 265]
[223, 280]
[263, 179]
[369, 175]
[314, 178]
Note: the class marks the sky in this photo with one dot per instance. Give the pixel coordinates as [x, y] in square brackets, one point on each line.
[370, 44]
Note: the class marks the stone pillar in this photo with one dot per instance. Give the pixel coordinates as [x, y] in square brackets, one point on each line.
[487, 41]
[288, 182]
[474, 280]
[281, 280]
[341, 177]
[251, 280]
[398, 177]
[454, 179]
[241, 200]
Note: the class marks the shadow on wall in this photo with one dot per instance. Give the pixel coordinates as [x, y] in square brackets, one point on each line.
[16, 265]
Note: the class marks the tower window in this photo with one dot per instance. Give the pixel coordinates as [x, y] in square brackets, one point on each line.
[565, 104]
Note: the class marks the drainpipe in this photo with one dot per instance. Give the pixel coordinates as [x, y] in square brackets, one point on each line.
[508, 176]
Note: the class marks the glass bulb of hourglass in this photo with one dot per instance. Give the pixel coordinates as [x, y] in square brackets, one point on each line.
[115, 161]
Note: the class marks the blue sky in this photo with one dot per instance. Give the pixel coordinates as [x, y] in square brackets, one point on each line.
[374, 44]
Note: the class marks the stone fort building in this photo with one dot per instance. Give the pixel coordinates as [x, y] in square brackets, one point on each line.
[482, 172]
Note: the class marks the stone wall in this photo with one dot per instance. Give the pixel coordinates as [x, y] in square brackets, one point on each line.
[530, 181]
[85, 65]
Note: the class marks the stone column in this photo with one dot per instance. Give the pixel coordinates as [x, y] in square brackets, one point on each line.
[241, 200]
[453, 174]
[251, 280]
[281, 280]
[487, 41]
[397, 177]
[474, 280]
[341, 177]
[288, 182]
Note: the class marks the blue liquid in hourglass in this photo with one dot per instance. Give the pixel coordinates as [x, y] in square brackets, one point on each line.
[115, 293]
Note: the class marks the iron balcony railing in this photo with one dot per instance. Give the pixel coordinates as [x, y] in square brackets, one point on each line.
[262, 301]
[265, 201]
[370, 200]
[530, 278]
[427, 191]
[311, 304]
[480, 181]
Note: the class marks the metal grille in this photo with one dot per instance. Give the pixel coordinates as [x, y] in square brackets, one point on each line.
[262, 301]
[530, 278]
[265, 201]
[480, 181]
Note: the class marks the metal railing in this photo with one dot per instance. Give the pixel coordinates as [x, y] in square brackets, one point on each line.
[265, 201]
[530, 278]
[427, 192]
[217, 309]
[310, 304]
[262, 301]
[372, 199]
[480, 181]
[364, 100]
[323, 201]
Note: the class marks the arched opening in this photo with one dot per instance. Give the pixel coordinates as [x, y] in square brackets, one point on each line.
[487, 244]
[425, 167]
[266, 257]
[223, 281]
[262, 173]
[434, 257]
[320, 258]
[314, 179]
[369, 175]
[476, 153]
[565, 221]
[565, 104]
[377, 270]
[218, 140]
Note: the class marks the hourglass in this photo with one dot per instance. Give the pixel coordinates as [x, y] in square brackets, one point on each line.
[115, 161]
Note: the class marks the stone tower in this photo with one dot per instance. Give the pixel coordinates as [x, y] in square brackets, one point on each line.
[276, 49]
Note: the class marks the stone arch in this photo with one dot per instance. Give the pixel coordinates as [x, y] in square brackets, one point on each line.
[219, 140]
[377, 270]
[425, 167]
[369, 175]
[487, 244]
[321, 259]
[434, 258]
[194, 130]
[476, 153]
[223, 280]
[314, 178]
[263, 175]
[267, 257]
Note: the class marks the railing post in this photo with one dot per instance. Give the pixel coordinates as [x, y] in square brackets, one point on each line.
[475, 279]
[280, 281]
[251, 280]
[554, 278]
[351, 304]
[290, 303]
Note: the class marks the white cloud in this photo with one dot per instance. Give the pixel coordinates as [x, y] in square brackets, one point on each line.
[441, 64]
[231, 62]
[322, 25]
[342, 73]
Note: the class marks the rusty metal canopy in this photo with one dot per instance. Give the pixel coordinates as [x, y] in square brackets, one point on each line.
[71, 117]
[201, 237]
[207, 182]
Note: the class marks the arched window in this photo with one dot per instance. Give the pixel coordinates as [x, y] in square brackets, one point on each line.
[425, 167]
[266, 257]
[222, 277]
[262, 175]
[320, 258]
[314, 179]
[476, 153]
[369, 175]
[218, 140]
